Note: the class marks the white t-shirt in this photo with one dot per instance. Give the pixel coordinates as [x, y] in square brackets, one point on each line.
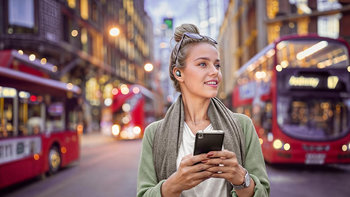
[213, 187]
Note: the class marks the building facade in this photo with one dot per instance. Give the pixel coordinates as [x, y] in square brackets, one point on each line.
[250, 25]
[73, 39]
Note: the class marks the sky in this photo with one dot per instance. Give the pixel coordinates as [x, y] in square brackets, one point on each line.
[182, 11]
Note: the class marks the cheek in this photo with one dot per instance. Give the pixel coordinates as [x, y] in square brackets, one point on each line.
[220, 76]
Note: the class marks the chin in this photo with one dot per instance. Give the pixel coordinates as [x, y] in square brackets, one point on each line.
[212, 95]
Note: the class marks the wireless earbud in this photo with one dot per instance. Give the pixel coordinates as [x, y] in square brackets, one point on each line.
[178, 73]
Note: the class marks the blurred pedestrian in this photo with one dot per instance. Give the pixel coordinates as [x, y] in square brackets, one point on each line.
[35, 124]
[167, 164]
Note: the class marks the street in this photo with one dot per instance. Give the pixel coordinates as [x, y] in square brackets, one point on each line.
[109, 168]
[106, 168]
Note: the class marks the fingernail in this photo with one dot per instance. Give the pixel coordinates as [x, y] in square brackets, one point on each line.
[204, 161]
[210, 154]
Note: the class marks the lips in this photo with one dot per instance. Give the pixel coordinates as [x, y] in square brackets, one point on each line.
[211, 82]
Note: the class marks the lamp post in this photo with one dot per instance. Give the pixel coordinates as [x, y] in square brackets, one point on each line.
[148, 68]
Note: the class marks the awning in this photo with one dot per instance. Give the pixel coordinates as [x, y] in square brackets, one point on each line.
[28, 82]
[7, 57]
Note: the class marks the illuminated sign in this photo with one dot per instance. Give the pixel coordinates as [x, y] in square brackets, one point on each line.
[55, 109]
[303, 81]
[332, 82]
[319, 81]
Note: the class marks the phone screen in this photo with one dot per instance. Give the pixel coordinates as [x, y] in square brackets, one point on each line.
[206, 142]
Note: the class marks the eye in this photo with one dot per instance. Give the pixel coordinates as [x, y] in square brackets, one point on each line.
[202, 64]
[217, 66]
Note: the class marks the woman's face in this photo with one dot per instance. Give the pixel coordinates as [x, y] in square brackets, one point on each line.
[201, 75]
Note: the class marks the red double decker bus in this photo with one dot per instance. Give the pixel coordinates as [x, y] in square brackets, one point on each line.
[38, 125]
[297, 92]
[132, 109]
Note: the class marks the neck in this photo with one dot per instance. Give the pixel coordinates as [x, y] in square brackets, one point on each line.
[195, 109]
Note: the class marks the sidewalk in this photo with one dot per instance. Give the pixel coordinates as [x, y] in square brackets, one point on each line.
[94, 139]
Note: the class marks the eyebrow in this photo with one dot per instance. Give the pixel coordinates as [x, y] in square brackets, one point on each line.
[206, 58]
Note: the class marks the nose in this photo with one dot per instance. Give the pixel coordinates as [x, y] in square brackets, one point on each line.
[213, 70]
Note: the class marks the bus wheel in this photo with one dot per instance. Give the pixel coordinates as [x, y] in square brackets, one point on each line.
[54, 160]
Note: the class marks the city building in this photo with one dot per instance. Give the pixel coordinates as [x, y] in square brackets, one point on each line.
[210, 16]
[250, 25]
[165, 44]
[95, 44]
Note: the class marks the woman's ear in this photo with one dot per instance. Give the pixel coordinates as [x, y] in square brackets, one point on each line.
[178, 74]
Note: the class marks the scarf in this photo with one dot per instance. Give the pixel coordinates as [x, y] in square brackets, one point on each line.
[169, 133]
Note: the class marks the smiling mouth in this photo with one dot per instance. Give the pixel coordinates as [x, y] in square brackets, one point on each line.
[211, 83]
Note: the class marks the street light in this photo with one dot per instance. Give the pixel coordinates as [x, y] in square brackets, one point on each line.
[148, 67]
[114, 31]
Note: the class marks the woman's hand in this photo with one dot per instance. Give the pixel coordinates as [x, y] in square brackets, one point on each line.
[225, 166]
[187, 176]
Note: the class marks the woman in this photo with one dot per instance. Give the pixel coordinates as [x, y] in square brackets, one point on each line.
[167, 165]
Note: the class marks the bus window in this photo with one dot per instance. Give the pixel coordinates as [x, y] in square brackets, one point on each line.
[55, 119]
[31, 114]
[266, 118]
[7, 103]
[307, 118]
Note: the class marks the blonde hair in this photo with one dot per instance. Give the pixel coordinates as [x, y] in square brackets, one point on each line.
[186, 47]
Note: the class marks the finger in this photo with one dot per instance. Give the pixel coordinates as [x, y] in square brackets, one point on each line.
[201, 175]
[223, 169]
[201, 167]
[191, 160]
[225, 153]
[197, 159]
[186, 157]
[225, 162]
[226, 176]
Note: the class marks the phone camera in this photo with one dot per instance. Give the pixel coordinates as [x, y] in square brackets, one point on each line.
[200, 136]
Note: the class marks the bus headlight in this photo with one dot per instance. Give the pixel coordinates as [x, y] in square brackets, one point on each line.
[286, 146]
[346, 147]
[277, 144]
[115, 129]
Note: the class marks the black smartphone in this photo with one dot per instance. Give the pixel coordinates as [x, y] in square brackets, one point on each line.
[208, 141]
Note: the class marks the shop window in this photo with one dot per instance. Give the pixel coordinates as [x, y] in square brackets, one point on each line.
[21, 16]
[84, 9]
[71, 3]
[131, 72]
[94, 12]
[85, 41]
[75, 114]
[123, 69]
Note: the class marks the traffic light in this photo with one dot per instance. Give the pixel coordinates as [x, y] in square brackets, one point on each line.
[169, 23]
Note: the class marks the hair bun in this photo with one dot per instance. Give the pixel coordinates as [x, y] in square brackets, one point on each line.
[179, 31]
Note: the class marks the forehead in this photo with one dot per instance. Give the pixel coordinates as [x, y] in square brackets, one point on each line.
[203, 49]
